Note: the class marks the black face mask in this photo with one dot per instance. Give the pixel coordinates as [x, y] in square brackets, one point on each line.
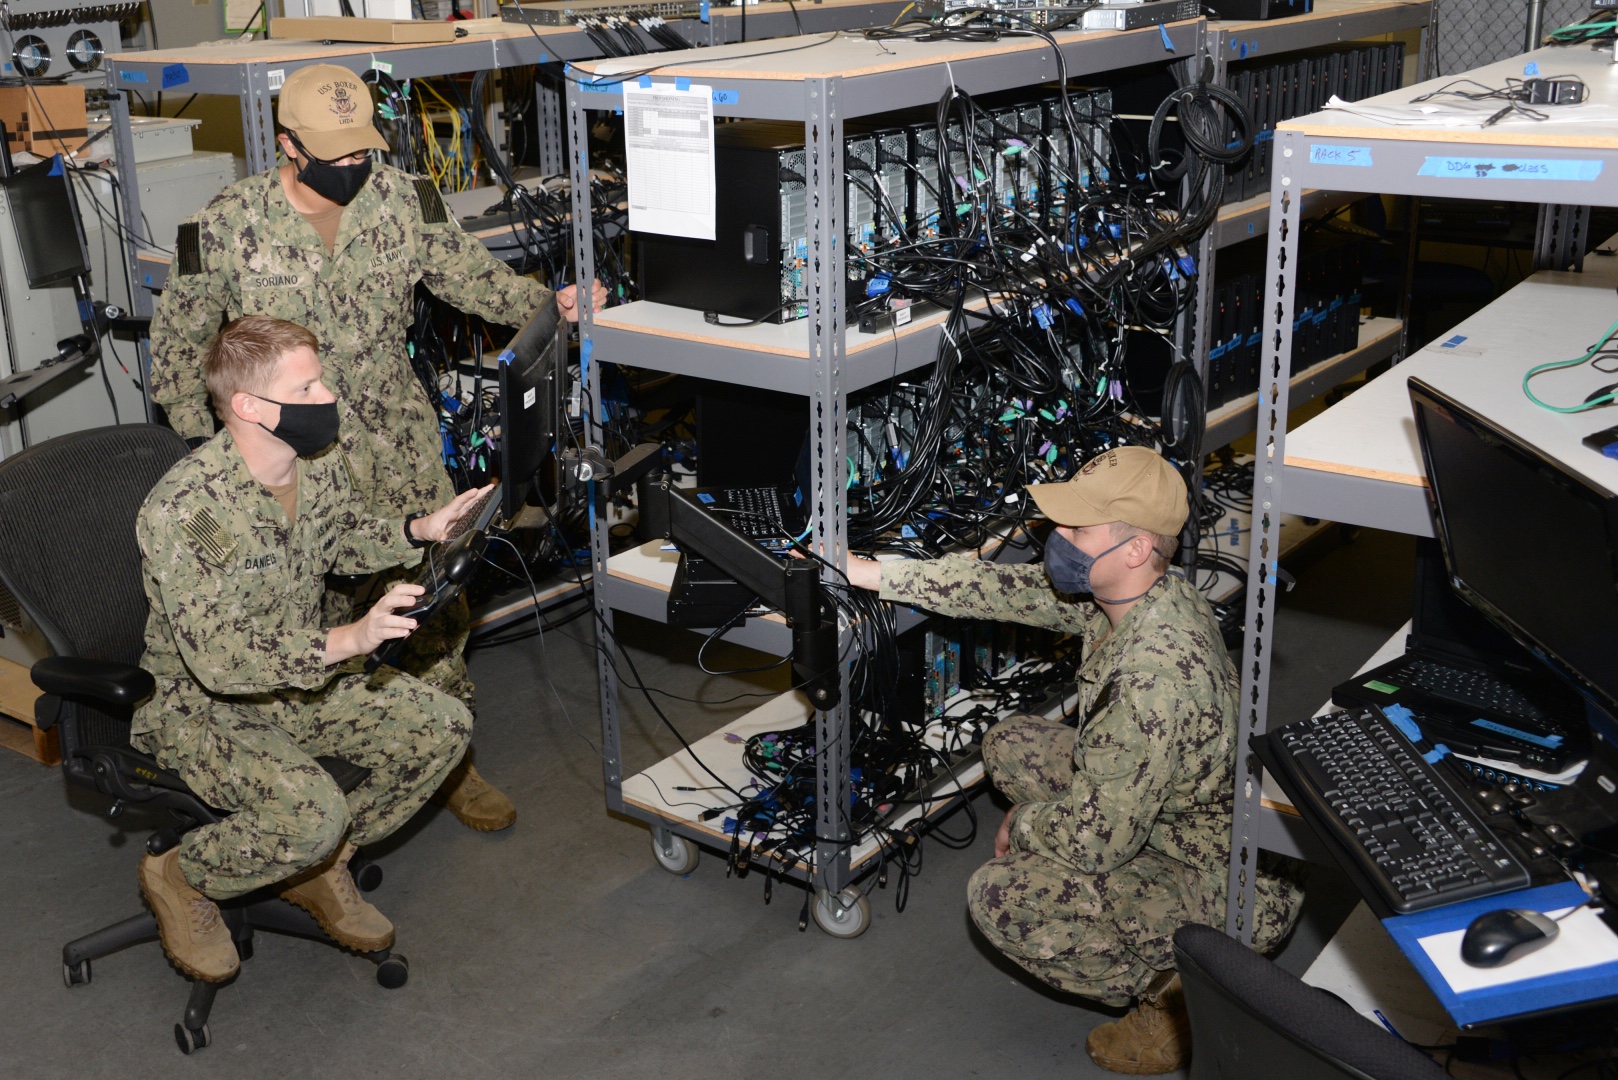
[308, 429]
[339, 183]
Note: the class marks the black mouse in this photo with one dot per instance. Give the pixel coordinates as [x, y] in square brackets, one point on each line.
[1499, 937]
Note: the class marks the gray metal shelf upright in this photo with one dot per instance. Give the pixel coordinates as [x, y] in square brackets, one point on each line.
[1554, 163]
[820, 86]
[1332, 22]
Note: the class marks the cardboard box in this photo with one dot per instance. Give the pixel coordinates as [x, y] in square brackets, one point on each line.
[371, 31]
[45, 118]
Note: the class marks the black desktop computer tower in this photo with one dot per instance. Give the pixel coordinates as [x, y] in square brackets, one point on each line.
[753, 268]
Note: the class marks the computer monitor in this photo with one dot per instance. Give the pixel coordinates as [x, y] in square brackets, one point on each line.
[530, 369]
[50, 235]
[1527, 541]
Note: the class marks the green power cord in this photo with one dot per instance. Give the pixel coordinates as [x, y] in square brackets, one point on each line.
[1555, 364]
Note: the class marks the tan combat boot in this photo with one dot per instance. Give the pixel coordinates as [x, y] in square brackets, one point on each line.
[472, 799]
[1154, 1038]
[327, 891]
[189, 925]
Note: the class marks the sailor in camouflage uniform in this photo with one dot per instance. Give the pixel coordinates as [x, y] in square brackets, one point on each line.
[235, 541]
[1120, 832]
[337, 246]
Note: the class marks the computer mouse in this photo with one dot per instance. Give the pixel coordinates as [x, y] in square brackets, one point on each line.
[1499, 937]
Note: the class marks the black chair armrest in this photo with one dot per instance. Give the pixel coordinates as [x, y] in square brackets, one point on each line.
[105, 681]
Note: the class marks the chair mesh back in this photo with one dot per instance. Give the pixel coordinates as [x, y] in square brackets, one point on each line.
[67, 535]
[1251, 1019]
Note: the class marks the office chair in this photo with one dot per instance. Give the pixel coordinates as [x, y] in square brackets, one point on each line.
[68, 555]
[1250, 1019]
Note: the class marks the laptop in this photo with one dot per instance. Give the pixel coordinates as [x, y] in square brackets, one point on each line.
[1476, 690]
[775, 516]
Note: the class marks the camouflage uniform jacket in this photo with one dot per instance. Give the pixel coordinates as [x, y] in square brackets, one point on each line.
[249, 252]
[235, 591]
[1158, 700]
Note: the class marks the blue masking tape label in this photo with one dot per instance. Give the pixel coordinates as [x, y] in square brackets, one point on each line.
[132, 76]
[1265, 136]
[1549, 742]
[645, 82]
[1167, 44]
[1530, 68]
[175, 75]
[907, 532]
[705, 497]
[586, 347]
[682, 84]
[1511, 168]
[704, 14]
[1335, 154]
[506, 356]
[148, 280]
[726, 97]
[597, 88]
[1436, 754]
[1401, 718]
[1454, 341]
[56, 166]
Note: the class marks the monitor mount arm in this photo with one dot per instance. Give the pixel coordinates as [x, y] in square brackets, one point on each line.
[792, 588]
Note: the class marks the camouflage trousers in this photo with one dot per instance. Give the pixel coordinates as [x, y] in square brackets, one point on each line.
[255, 758]
[1100, 936]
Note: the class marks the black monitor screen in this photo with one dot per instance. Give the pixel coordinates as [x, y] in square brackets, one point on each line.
[1526, 541]
[47, 219]
[529, 369]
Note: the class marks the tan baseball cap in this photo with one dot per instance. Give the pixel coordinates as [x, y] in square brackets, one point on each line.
[1131, 484]
[329, 109]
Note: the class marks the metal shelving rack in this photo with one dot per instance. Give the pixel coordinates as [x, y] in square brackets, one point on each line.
[254, 71]
[818, 357]
[1553, 163]
[1332, 22]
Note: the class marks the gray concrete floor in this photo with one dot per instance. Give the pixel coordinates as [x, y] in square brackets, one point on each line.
[558, 949]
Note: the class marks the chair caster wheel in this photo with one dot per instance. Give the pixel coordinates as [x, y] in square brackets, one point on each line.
[190, 1041]
[674, 852]
[367, 874]
[76, 974]
[393, 972]
[846, 915]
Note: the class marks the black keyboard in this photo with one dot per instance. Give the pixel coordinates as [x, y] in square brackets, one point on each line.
[1405, 828]
[756, 512]
[1470, 688]
[478, 515]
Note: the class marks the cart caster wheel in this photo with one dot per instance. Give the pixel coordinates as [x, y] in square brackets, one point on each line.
[367, 874]
[846, 915]
[673, 852]
[393, 972]
[190, 1041]
[76, 974]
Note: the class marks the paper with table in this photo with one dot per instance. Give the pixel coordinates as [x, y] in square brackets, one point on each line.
[669, 147]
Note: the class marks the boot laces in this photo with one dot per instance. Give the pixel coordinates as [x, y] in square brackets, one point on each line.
[204, 915]
[348, 894]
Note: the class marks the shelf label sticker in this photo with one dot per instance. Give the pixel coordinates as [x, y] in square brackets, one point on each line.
[275, 78]
[175, 75]
[727, 97]
[1510, 168]
[132, 76]
[1335, 154]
